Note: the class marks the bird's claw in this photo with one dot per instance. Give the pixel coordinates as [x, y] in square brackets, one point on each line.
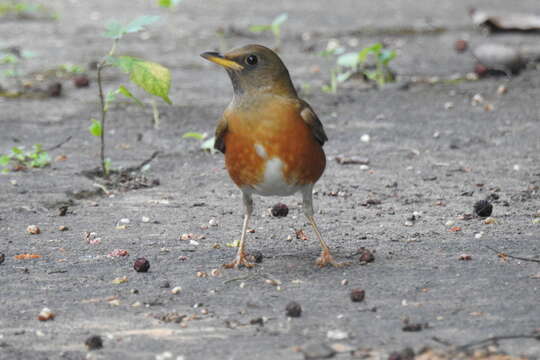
[238, 262]
[327, 259]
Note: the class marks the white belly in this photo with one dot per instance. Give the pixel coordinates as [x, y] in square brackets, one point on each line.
[273, 181]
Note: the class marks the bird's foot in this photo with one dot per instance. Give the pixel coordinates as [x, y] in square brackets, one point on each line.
[327, 259]
[239, 261]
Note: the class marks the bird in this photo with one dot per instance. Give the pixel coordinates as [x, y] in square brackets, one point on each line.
[272, 140]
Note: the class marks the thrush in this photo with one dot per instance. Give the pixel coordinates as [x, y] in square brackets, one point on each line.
[272, 140]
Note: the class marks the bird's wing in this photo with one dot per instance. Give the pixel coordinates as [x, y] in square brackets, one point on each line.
[310, 118]
[221, 130]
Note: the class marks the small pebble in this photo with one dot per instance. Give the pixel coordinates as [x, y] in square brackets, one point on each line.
[145, 219]
[46, 314]
[344, 282]
[501, 90]
[176, 290]
[215, 273]
[202, 274]
[337, 335]
[141, 265]
[124, 221]
[293, 309]
[94, 342]
[479, 235]
[365, 138]
[477, 100]
[448, 105]
[449, 223]
[489, 221]
[63, 228]
[213, 222]
[33, 229]
[256, 256]
[357, 295]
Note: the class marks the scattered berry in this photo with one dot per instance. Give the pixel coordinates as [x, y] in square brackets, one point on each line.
[293, 309]
[94, 342]
[483, 208]
[366, 256]
[461, 45]
[280, 210]
[54, 89]
[358, 295]
[141, 265]
[81, 81]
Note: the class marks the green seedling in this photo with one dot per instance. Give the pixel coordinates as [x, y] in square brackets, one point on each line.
[351, 63]
[168, 3]
[20, 159]
[13, 60]
[274, 27]
[153, 78]
[354, 62]
[72, 69]
[25, 10]
[207, 144]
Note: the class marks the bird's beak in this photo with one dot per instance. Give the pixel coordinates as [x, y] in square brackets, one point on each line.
[221, 60]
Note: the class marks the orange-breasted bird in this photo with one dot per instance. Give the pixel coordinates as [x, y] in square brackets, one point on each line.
[272, 140]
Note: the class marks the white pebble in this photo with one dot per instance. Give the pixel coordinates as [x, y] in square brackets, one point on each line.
[193, 242]
[448, 105]
[337, 335]
[365, 138]
[479, 235]
[145, 219]
[124, 221]
[176, 290]
[364, 167]
[213, 222]
[449, 223]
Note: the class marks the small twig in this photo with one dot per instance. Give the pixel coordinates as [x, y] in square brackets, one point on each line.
[142, 164]
[512, 256]
[60, 144]
[247, 277]
[495, 339]
[441, 341]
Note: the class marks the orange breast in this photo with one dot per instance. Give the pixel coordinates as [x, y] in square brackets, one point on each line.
[277, 128]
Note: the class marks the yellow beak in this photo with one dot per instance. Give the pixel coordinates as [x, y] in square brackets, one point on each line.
[220, 60]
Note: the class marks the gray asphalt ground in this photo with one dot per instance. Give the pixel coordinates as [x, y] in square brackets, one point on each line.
[432, 154]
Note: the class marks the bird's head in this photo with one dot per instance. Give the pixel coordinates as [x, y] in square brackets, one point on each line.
[254, 69]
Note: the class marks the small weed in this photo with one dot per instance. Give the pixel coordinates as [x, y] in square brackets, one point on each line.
[207, 144]
[153, 78]
[274, 27]
[168, 3]
[25, 10]
[352, 63]
[20, 159]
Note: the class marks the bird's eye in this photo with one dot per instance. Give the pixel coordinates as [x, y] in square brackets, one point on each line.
[251, 60]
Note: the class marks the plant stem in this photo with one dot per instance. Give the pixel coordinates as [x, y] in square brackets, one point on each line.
[103, 118]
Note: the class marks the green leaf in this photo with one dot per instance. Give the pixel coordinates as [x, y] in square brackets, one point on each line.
[124, 91]
[43, 159]
[194, 135]
[114, 30]
[4, 160]
[152, 77]
[17, 150]
[341, 77]
[279, 20]
[95, 128]
[139, 23]
[259, 28]
[350, 60]
[168, 3]
[386, 56]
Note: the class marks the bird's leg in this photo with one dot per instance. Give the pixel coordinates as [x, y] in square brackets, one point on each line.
[326, 257]
[240, 259]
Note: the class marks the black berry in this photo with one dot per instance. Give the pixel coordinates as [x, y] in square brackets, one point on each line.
[94, 342]
[483, 208]
[293, 309]
[141, 265]
[280, 210]
[357, 295]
